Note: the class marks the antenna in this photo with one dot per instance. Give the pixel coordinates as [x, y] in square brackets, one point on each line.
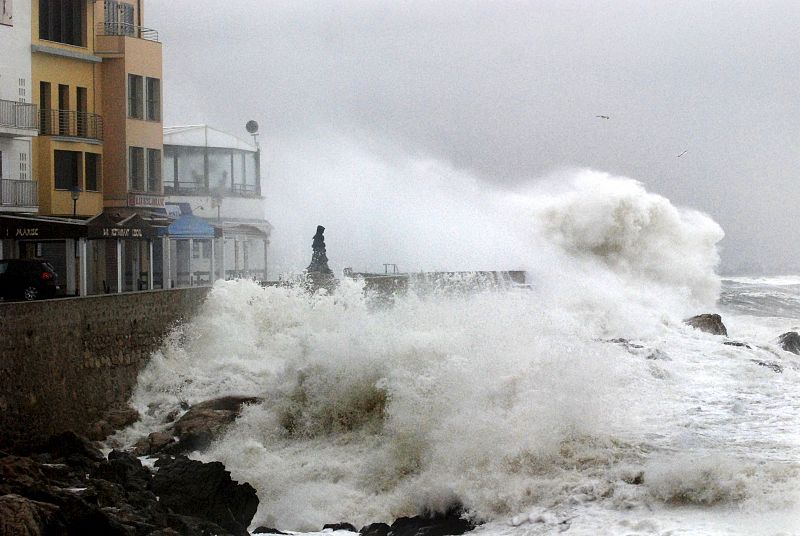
[252, 128]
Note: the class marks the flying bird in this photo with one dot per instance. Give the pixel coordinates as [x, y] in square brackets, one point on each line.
[683, 153]
[603, 116]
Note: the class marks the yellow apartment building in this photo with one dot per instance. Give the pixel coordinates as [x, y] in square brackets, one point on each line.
[66, 74]
[97, 79]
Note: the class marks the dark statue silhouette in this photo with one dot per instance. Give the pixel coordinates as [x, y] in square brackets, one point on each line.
[319, 259]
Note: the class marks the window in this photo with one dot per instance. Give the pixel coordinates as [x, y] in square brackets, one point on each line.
[153, 99]
[66, 165]
[1, 164]
[92, 172]
[6, 13]
[135, 96]
[62, 21]
[196, 249]
[136, 169]
[118, 18]
[153, 170]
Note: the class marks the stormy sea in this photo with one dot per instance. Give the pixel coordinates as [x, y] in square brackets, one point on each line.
[579, 402]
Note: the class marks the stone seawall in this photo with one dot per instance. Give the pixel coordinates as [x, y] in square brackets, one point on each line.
[64, 363]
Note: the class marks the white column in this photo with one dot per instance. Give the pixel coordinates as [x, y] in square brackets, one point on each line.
[69, 253]
[222, 258]
[150, 269]
[83, 266]
[136, 264]
[211, 275]
[266, 243]
[119, 265]
[166, 268]
[189, 262]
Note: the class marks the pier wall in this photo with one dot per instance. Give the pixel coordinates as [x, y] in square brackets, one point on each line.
[64, 363]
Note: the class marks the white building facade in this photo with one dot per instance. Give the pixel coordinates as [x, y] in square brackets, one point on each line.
[216, 176]
[19, 120]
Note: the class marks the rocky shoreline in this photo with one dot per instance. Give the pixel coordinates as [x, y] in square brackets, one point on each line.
[66, 486]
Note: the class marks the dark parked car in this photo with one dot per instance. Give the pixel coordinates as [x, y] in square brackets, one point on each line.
[27, 279]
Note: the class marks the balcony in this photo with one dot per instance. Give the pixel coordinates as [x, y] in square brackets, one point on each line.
[71, 124]
[114, 29]
[18, 193]
[17, 117]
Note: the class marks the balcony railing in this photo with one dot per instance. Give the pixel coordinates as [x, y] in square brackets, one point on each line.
[198, 188]
[17, 193]
[71, 124]
[127, 30]
[18, 115]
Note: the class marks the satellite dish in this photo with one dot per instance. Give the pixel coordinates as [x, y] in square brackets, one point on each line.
[251, 126]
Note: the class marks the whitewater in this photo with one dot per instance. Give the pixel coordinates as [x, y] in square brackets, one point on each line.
[580, 403]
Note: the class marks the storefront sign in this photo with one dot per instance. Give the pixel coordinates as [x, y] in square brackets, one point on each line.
[27, 232]
[119, 232]
[18, 227]
[147, 201]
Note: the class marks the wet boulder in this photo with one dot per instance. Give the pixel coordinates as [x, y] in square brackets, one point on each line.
[375, 529]
[450, 523]
[339, 526]
[25, 517]
[710, 323]
[113, 420]
[790, 341]
[205, 490]
[206, 421]
[153, 443]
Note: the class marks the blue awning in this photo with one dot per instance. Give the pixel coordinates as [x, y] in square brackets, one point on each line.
[189, 226]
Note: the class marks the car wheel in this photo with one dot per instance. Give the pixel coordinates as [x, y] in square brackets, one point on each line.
[30, 293]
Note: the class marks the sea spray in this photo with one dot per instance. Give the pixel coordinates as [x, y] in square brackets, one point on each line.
[507, 401]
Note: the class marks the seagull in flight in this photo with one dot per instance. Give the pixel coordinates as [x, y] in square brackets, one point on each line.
[603, 116]
[683, 153]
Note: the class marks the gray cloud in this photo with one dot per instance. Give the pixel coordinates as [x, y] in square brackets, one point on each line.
[509, 91]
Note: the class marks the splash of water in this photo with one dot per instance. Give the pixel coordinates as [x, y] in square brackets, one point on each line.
[503, 401]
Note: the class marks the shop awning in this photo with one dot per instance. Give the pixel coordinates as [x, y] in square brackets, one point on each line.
[13, 227]
[131, 228]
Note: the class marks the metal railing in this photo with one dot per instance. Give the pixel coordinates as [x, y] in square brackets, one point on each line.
[244, 189]
[126, 30]
[199, 188]
[18, 193]
[71, 124]
[18, 115]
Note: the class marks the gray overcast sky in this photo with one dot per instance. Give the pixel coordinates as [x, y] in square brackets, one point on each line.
[509, 91]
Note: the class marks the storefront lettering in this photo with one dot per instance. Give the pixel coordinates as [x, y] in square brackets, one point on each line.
[111, 232]
[28, 232]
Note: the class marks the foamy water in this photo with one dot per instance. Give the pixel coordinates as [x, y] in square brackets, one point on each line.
[513, 402]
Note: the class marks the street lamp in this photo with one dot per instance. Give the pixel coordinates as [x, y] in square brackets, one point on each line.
[74, 193]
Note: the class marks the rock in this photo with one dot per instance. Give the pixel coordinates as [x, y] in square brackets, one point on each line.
[658, 355]
[790, 341]
[340, 526]
[375, 529]
[205, 490]
[737, 343]
[267, 530]
[153, 443]
[20, 516]
[206, 421]
[70, 445]
[710, 323]
[774, 367]
[124, 469]
[113, 420]
[448, 523]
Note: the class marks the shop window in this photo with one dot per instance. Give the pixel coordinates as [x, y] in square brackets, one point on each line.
[63, 21]
[153, 99]
[92, 172]
[153, 170]
[66, 165]
[136, 168]
[135, 96]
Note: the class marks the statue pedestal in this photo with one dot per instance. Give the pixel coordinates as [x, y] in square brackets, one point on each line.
[318, 280]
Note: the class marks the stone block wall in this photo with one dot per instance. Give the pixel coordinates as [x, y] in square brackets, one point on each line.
[64, 363]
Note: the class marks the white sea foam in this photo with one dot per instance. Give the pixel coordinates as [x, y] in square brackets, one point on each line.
[512, 402]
